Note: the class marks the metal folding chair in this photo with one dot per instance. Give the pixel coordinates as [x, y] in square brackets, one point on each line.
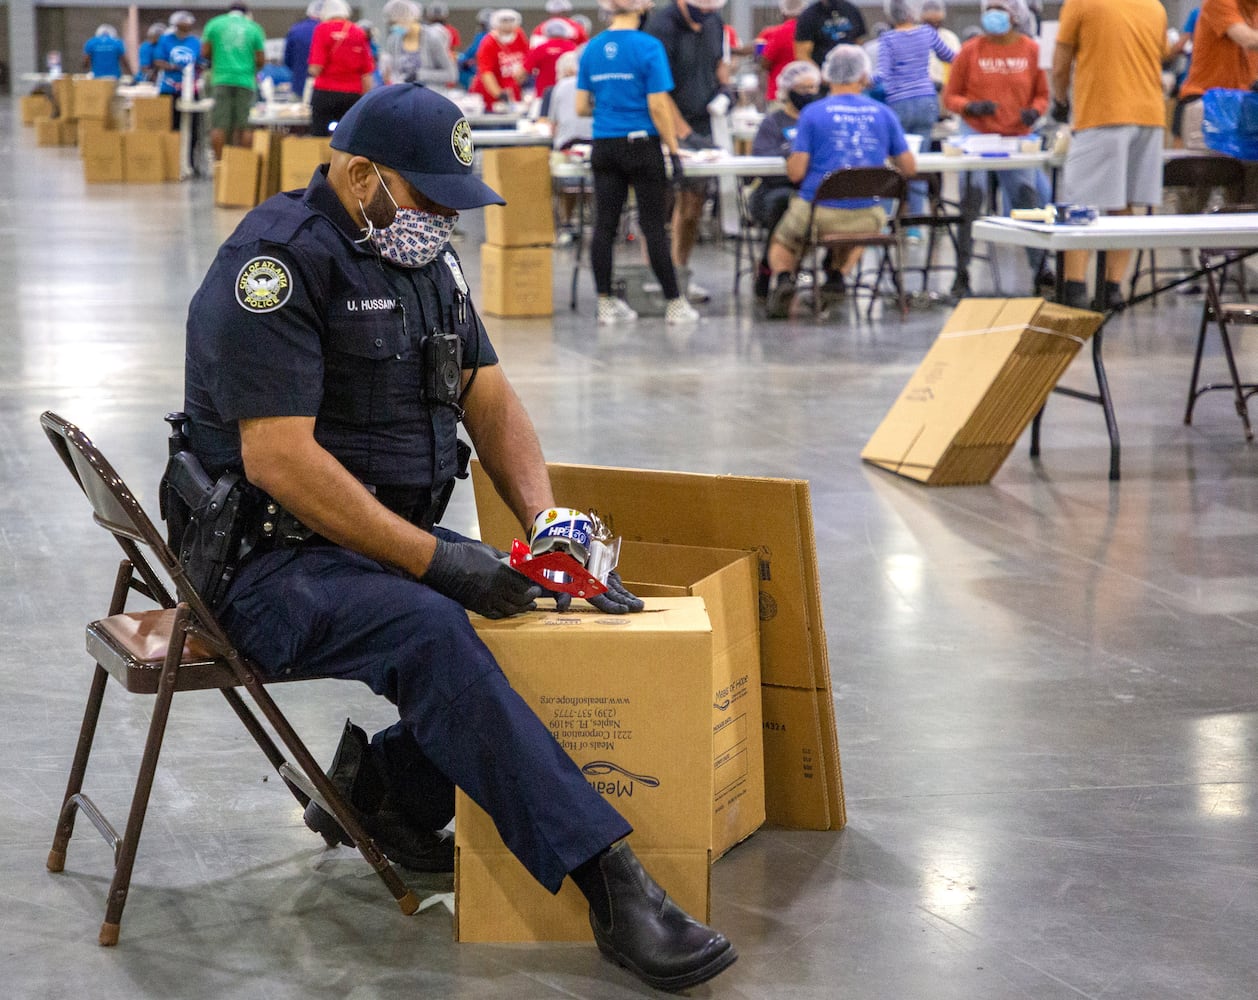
[177, 646]
[1224, 315]
[862, 182]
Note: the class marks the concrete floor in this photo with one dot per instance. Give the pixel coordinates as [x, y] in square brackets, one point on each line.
[1045, 687]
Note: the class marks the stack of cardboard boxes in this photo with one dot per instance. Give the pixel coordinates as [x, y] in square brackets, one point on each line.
[516, 257]
[145, 153]
[247, 177]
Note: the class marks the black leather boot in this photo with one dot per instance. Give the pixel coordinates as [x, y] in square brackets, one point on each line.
[649, 934]
[356, 777]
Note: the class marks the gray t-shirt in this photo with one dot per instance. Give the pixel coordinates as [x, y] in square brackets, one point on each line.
[430, 62]
[560, 106]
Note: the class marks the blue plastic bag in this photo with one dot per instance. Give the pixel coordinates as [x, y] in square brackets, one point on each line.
[1230, 122]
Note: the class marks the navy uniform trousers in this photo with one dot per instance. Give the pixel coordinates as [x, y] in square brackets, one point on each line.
[323, 611]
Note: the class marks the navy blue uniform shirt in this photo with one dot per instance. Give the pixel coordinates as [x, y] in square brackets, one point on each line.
[296, 319]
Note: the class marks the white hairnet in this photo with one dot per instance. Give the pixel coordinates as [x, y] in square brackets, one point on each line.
[505, 18]
[792, 8]
[900, 11]
[314, 8]
[566, 65]
[483, 15]
[846, 64]
[798, 72]
[438, 11]
[334, 10]
[707, 6]
[182, 17]
[558, 6]
[106, 31]
[156, 28]
[933, 7]
[624, 6]
[557, 27]
[584, 22]
[274, 49]
[401, 11]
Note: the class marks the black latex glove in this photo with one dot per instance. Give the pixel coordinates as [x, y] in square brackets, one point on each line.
[1254, 86]
[474, 574]
[679, 174]
[980, 109]
[1061, 111]
[1029, 116]
[617, 600]
[695, 141]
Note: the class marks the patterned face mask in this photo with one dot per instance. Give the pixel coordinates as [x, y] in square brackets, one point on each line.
[415, 237]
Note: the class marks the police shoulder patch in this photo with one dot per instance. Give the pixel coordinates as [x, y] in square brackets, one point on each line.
[263, 285]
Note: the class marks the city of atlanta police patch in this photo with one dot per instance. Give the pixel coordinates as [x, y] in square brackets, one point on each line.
[461, 141]
[263, 285]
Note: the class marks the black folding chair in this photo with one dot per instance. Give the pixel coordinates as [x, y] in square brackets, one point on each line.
[862, 182]
[1224, 316]
[1198, 173]
[160, 651]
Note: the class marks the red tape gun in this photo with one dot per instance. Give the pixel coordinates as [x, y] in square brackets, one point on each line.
[555, 570]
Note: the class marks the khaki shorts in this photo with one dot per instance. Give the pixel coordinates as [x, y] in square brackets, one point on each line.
[231, 107]
[792, 230]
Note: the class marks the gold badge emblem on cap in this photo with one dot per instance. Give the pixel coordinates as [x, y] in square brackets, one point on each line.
[461, 141]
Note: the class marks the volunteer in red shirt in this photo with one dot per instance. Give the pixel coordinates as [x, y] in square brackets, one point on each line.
[779, 45]
[541, 59]
[340, 66]
[998, 88]
[500, 58]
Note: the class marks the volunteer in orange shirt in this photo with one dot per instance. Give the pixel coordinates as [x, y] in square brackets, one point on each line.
[1224, 54]
[998, 88]
[1114, 50]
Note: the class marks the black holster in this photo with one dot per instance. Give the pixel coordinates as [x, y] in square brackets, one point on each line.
[206, 522]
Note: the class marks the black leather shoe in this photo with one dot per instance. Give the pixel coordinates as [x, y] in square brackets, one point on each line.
[652, 936]
[357, 778]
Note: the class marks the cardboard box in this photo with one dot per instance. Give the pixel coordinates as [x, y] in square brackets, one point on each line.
[172, 153]
[300, 157]
[236, 180]
[516, 281]
[984, 379]
[55, 132]
[522, 176]
[726, 581]
[143, 158]
[88, 130]
[35, 106]
[630, 699]
[102, 157]
[152, 114]
[266, 143]
[773, 519]
[63, 97]
[94, 98]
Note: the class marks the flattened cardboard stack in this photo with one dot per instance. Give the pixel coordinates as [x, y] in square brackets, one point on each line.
[984, 379]
[517, 255]
[236, 178]
[300, 157]
[771, 518]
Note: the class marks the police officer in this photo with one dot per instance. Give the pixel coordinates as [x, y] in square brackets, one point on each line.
[332, 351]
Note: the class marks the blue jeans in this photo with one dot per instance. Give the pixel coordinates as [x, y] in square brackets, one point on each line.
[1018, 189]
[917, 117]
[324, 611]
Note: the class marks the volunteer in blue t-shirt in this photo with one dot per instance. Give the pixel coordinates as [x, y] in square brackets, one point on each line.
[104, 55]
[844, 129]
[624, 81]
[178, 49]
[148, 52]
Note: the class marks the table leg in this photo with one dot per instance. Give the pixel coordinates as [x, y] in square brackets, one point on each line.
[578, 244]
[185, 144]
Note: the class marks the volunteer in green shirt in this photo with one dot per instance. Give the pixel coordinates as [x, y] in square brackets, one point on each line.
[233, 45]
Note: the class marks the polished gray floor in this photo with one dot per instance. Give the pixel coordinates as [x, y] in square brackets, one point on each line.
[1045, 687]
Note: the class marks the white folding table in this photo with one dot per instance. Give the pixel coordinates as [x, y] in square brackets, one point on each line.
[1223, 231]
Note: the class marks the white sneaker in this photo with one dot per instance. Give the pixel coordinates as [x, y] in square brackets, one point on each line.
[679, 311]
[697, 293]
[612, 310]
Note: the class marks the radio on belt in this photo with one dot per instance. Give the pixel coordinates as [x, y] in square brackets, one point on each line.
[567, 551]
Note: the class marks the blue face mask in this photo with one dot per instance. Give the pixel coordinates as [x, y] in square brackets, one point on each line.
[997, 22]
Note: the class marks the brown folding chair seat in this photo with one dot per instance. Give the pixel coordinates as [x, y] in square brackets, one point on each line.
[177, 646]
[862, 182]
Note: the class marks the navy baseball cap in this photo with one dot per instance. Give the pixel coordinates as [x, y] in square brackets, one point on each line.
[421, 135]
